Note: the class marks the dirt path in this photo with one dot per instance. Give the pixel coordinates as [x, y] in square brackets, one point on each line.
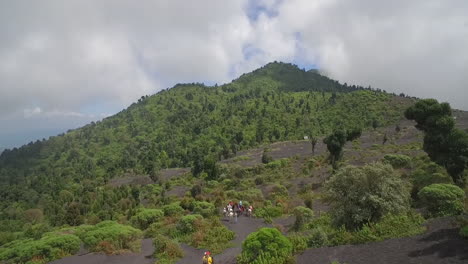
[242, 228]
[144, 257]
[441, 244]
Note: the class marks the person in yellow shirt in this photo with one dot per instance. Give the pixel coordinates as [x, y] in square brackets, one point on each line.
[207, 259]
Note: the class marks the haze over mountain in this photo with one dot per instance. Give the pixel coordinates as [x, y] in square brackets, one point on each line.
[64, 64]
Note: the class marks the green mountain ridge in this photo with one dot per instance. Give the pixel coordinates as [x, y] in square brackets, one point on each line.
[189, 123]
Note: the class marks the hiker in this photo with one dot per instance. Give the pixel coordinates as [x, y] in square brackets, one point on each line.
[250, 210]
[207, 259]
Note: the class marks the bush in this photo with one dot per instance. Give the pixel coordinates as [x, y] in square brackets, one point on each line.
[281, 163]
[267, 245]
[464, 232]
[210, 233]
[303, 215]
[206, 209]
[397, 160]
[442, 199]
[145, 217]
[166, 250]
[362, 195]
[268, 212]
[299, 242]
[120, 237]
[44, 250]
[317, 238]
[266, 158]
[186, 224]
[173, 209]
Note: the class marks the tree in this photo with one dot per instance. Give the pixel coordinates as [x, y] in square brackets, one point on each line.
[335, 143]
[442, 199]
[266, 158]
[360, 195]
[445, 144]
[375, 124]
[313, 141]
[267, 245]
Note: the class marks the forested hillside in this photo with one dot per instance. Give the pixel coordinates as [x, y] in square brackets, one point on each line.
[76, 188]
[184, 125]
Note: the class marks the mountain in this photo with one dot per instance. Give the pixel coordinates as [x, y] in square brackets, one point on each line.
[184, 125]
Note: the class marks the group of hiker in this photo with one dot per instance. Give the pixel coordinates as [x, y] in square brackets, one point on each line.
[231, 210]
[237, 209]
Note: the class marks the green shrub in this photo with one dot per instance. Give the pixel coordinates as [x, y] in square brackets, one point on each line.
[281, 163]
[145, 217]
[359, 195]
[267, 245]
[299, 242]
[464, 232]
[397, 160]
[173, 209]
[166, 250]
[206, 209]
[44, 250]
[442, 199]
[303, 215]
[36, 231]
[112, 236]
[268, 212]
[186, 223]
[317, 238]
[395, 226]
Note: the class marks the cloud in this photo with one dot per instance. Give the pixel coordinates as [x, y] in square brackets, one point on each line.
[63, 58]
[416, 47]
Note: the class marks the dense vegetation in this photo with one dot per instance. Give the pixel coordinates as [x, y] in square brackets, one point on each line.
[188, 125]
[57, 194]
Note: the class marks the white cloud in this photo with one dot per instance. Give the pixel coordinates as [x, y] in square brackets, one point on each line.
[59, 57]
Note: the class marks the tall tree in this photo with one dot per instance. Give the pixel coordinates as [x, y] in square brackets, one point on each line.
[445, 144]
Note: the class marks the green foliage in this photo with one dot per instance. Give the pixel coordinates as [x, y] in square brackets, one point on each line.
[397, 160]
[44, 250]
[391, 226]
[268, 212]
[186, 224]
[205, 209]
[267, 245]
[280, 163]
[324, 233]
[145, 217]
[317, 238]
[335, 143]
[173, 209]
[427, 173]
[210, 233]
[445, 144]
[299, 242]
[442, 199]
[363, 195]
[464, 231]
[92, 174]
[266, 158]
[166, 250]
[109, 236]
[303, 215]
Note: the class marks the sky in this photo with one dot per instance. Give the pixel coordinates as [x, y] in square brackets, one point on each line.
[66, 63]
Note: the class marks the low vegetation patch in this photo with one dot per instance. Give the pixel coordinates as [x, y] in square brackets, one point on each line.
[49, 247]
[110, 237]
[442, 199]
[267, 245]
